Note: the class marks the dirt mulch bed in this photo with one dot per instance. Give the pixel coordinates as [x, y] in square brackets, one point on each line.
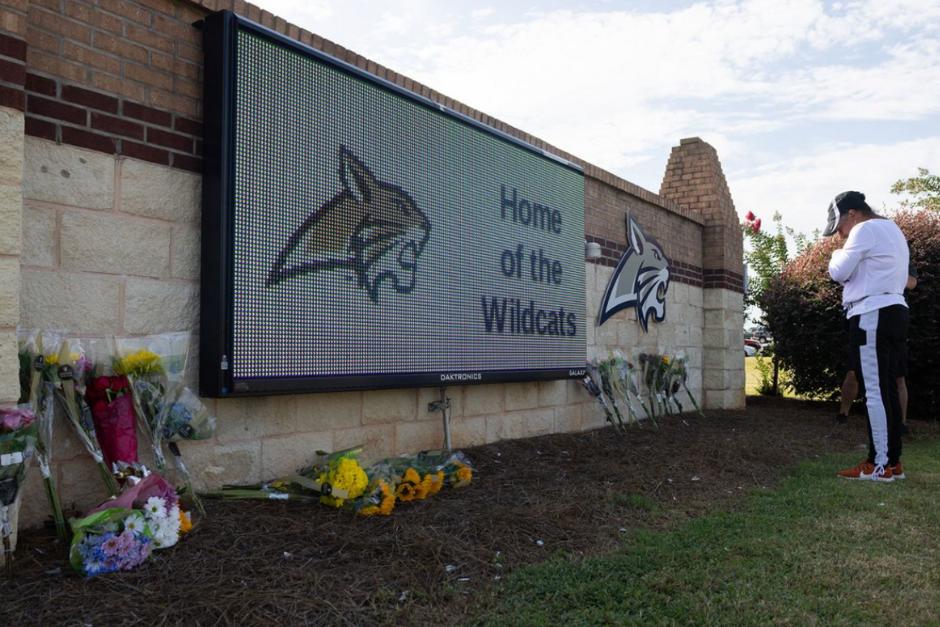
[264, 562]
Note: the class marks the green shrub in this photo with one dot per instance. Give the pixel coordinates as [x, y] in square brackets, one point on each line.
[804, 313]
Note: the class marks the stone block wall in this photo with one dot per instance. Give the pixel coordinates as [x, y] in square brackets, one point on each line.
[11, 211]
[104, 120]
[12, 102]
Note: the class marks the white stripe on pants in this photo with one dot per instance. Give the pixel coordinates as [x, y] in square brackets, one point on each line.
[868, 358]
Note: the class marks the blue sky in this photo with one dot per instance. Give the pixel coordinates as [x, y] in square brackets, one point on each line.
[802, 99]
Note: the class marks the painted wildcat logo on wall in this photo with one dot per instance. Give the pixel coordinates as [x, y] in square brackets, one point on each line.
[371, 227]
[640, 280]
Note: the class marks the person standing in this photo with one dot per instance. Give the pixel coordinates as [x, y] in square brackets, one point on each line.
[872, 268]
[850, 387]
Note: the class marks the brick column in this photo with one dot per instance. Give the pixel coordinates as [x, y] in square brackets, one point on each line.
[694, 179]
[12, 104]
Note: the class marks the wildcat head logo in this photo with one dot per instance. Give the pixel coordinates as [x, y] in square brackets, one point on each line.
[371, 228]
[640, 280]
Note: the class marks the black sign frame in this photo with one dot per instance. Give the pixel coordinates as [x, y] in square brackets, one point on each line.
[216, 378]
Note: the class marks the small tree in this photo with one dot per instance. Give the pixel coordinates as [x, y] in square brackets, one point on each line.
[766, 258]
[925, 188]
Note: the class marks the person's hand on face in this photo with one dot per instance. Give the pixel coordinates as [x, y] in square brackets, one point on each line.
[846, 223]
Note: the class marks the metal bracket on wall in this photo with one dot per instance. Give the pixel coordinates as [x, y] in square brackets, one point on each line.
[443, 405]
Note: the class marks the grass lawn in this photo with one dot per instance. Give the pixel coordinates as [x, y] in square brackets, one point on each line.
[752, 377]
[815, 550]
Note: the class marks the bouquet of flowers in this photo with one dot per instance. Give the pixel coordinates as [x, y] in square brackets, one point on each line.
[629, 393]
[187, 418]
[147, 373]
[157, 499]
[338, 480]
[664, 377]
[121, 533]
[342, 472]
[112, 409]
[416, 477]
[110, 540]
[17, 445]
[166, 410]
[618, 384]
[69, 378]
[378, 499]
[593, 384]
[330, 478]
[458, 471]
[37, 389]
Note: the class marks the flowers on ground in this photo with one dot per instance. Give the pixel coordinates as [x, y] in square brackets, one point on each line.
[121, 533]
[186, 522]
[163, 520]
[338, 480]
[462, 475]
[379, 501]
[110, 551]
[346, 474]
[110, 540]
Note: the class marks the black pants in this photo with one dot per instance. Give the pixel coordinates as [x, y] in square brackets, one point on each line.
[878, 341]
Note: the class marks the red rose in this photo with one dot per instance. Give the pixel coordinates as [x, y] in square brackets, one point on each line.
[96, 389]
[757, 225]
[749, 216]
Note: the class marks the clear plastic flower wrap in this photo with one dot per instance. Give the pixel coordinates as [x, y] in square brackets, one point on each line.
[71, 368]
[17, 446]
[338, 480]
[155, 366]
[378, 499]
[37, 389]
[647, 388]
[167, 410]
[187, 418]
[110, 540]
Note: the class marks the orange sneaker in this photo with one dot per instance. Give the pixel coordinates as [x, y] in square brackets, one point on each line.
[897, 471]
[867, 471]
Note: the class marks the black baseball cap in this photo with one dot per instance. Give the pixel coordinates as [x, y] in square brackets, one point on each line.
[840, 205]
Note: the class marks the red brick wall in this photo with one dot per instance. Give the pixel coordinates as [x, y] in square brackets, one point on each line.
[13, 52]
[125, 77]
[604, 222]
[113, 76]
[694, 179]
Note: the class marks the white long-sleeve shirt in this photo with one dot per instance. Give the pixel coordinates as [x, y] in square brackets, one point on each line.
[871, 266]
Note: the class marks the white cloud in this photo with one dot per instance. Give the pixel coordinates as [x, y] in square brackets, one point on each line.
[762, 80]
[801, 188]
[905, 85]
[308, 14]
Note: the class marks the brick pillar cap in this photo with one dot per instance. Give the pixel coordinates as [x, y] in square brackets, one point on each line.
[691, 140]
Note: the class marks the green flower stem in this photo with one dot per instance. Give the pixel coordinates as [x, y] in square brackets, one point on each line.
[53, 495]
[68, 398]
[143, 422]
[187, 479]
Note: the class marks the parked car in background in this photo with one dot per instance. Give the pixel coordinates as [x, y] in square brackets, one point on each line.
[749, 350]
[757, 346]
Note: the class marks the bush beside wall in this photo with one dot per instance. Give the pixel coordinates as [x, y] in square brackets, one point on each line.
[805, 316]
